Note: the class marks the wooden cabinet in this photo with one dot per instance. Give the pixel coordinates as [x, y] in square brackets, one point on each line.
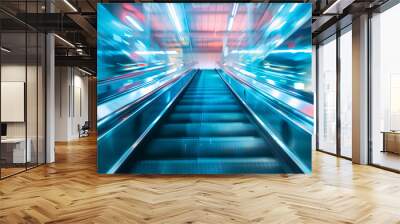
[391, 141]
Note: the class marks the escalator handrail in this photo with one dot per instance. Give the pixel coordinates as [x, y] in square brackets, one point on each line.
[147, 97]
[307, 115]
[298, 115]
[308, 97]
[129, 75]
[139, 86]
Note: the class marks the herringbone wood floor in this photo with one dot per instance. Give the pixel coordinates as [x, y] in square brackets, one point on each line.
[70, 191]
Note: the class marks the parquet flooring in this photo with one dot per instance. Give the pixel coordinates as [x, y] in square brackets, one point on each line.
[70, 191]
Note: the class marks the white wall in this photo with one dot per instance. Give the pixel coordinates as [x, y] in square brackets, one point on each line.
[71, 102]
[80, 111]
[33, 127]
[9, 73]
[62, 83]
[13, 73]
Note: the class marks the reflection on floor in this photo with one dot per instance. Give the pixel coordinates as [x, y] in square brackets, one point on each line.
[70, 191]
[387, 159]
[11, 169]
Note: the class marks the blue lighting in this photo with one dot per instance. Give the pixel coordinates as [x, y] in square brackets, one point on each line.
[134, 23]
[150, 53]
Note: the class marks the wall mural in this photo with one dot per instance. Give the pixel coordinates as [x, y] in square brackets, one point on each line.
[204, 88]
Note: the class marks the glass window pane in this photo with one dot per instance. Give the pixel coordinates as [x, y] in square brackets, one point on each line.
[13, 86]
[327, 96]
[385, 114]
[41, 99]
[31, 97]
[346, 94]
[23, 85]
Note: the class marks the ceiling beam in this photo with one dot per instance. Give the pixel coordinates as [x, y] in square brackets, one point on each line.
[337, 6]
[90, 31]
[81, 61]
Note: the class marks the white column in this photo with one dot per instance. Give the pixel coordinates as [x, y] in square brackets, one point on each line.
[360, 90]
[314, 84]
[50, 99]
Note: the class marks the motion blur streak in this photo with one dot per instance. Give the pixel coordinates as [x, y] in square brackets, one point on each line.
[204, 88]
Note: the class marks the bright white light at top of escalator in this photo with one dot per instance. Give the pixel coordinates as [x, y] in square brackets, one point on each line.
[294, 6]
[275, 93]
[158, 62]
[292, 51]
[149, 79]
[141, 44]
[280, 8]
[118, 24]
[126, 53]
[145, 90]
[272, 82]
[117, 38]
[277, 65]
[230, 23]
[130, 68]
[171, 71]
[276, 24]
[245, 72]
[299, 85]
[256, 51]
[225, 50]
[235, 9]
[134, 23]
[128, 35]
[171, 52]
[172, 12]
[273, 68]
[279, 42]
[232, 17]
[300, 22]
[155, 52]
[294, 102]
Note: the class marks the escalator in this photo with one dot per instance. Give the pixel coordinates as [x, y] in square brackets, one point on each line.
[207, 131]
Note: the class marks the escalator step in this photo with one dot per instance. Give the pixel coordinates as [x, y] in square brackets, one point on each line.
[213, 87]
[214, 147]
[208, 94]
[206, 132]
[222, 88]
[208, 166]
[207, 129]
[206, 117]
[205, 97]
[208, 101]
[208, 108]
